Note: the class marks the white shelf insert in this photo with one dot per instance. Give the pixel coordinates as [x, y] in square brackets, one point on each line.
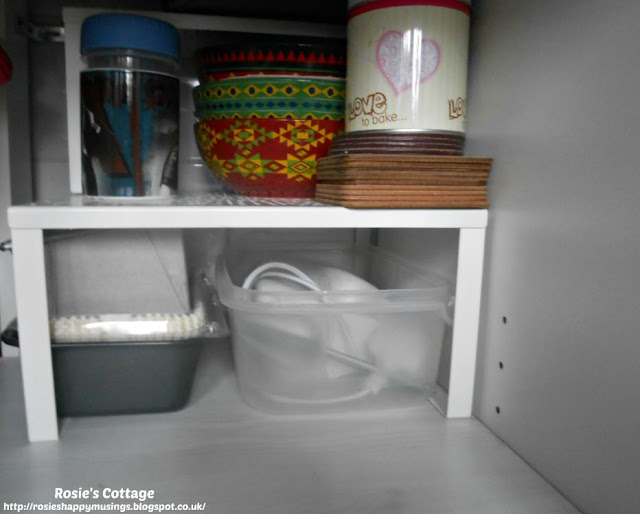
[223, 211]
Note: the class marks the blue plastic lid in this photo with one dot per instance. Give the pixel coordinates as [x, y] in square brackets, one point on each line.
[104, 31]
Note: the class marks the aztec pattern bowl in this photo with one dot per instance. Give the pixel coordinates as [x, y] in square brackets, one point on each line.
[270, 109]
[271, 55]
[215, 76]
[265, 96]
[266, 157]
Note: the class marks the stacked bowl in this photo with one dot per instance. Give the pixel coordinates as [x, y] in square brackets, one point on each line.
[267, 110]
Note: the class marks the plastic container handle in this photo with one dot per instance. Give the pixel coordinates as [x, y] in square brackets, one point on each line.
[6, 246]
[10, 334]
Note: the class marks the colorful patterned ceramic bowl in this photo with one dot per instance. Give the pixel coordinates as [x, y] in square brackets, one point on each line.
[266, 157]
[274, 108]
[225, 113]
[269, 54]
[215, 76]
[257, 87]
[269, 96]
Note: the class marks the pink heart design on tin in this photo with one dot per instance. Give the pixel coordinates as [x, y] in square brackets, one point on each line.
[397, 65]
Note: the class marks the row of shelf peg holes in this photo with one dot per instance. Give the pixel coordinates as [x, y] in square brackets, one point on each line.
[501, 364]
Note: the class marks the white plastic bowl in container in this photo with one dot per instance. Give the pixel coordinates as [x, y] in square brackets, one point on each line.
[369, 336]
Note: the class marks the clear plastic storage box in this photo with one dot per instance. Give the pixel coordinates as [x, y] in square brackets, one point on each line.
[366, 334]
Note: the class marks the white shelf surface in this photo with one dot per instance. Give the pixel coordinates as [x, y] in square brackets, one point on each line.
[220, 211]
[239, 460]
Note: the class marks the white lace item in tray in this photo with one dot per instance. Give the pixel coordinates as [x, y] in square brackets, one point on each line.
[128, 327]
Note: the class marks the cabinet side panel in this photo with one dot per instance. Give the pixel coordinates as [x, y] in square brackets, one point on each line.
[553, 99]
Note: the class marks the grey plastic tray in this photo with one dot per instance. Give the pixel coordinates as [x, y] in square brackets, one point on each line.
[94, 379]
[124, 378]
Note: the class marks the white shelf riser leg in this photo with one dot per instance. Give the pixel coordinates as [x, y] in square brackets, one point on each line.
[465, 325]
[35, 347]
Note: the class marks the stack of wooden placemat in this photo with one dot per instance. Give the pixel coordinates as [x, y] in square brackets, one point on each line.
[390, 180]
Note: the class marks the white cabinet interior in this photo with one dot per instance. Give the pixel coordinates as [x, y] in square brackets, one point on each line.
[564, 209]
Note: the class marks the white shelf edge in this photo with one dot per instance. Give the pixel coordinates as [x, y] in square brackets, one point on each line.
[178, 216]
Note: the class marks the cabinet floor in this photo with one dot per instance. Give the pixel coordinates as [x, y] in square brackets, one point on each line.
[238, 460]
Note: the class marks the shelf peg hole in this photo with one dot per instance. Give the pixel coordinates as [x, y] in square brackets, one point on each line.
[497, 410]
[504, 320]
[501, 365]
